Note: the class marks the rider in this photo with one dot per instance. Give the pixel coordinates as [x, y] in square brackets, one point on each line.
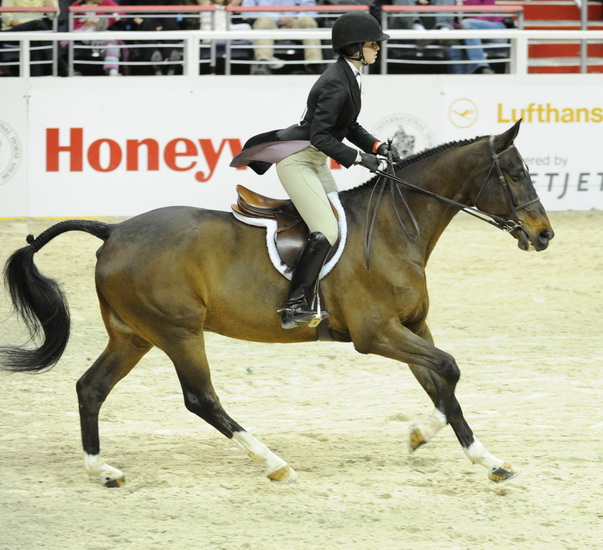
[300, 153]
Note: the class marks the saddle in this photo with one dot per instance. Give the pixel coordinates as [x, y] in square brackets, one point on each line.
[292, 232]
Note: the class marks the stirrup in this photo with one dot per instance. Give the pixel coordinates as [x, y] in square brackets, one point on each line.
[293, 316]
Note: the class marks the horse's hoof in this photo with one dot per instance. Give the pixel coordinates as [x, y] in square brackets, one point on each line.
[416, 438]
[503, 473]
[98, 469]
[286, 474]
[117, 482]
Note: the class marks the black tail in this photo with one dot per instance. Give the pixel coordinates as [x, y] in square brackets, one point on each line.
[40, 302]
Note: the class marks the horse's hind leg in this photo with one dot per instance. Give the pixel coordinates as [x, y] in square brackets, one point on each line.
[448, 410]
[122, 353]
[200, 398]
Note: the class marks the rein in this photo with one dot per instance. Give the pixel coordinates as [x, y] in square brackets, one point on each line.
[382, 183]
[505, 224]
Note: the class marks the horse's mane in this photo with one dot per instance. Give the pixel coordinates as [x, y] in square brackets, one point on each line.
[423, 155]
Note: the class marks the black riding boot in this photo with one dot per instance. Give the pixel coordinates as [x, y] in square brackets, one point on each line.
[297, 308]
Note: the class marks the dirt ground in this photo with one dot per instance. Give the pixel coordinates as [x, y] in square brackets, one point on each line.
[525, 329]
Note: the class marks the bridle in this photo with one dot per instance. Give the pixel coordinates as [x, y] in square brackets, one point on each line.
[510, 223]
[514, 208]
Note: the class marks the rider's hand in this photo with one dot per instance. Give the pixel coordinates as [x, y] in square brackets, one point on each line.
[384, 150]
[369, 161]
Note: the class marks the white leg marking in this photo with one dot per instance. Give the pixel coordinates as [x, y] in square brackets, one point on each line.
[436, 421]
[261, 454]
[478, 454]
[422, 433]
[97, 467]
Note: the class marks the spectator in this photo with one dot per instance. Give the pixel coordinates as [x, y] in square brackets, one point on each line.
[264, 48]
[63, 25]
[219, 17]
[41, 53]
[157, 22]
[474, 51]
[412, 20]
[90, 21]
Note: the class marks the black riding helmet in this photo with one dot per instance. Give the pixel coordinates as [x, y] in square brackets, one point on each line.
[354, 28]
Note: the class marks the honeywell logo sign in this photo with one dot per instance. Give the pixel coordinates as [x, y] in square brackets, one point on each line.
[68, 150]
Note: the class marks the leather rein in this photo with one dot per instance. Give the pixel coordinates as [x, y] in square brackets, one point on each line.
[509, 224]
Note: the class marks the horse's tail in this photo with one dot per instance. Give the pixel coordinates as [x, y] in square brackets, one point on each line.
[39, 301]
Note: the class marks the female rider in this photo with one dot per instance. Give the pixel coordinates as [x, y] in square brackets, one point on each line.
[300, 153]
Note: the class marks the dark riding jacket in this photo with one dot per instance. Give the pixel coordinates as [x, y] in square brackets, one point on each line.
[333, 107]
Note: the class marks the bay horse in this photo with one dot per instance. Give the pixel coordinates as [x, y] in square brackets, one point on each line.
[166, 276]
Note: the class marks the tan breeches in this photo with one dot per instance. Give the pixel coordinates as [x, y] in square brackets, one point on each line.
[264, 49]
[307, 180]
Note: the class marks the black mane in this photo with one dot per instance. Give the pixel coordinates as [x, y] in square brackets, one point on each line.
[423, 155]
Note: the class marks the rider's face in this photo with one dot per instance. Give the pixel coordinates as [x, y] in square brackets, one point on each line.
[369, 50]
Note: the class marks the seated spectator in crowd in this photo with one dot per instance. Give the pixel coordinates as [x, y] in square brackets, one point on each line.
[219, 17]
[412, 20]
[91, 21]
[264, 48]
[28, 22]
[474, 51]
[157, 22]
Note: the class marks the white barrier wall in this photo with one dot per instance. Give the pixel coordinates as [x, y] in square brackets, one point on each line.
[119, 146]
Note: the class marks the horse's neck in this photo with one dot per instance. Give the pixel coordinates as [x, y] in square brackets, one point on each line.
[376, 222]
[447, 173]
[432, 215]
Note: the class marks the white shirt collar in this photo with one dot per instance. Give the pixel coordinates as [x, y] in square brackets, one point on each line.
[355, 69]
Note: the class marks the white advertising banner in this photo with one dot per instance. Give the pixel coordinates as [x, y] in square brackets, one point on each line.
[13, 150]
[561, 133]
[560, 138]
[99, 146]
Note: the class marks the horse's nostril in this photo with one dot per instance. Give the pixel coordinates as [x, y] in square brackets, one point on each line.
[546, 235]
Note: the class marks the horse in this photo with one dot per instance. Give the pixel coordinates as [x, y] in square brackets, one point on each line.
[165, 277]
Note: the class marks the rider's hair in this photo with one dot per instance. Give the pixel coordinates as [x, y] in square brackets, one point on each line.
[349, 51]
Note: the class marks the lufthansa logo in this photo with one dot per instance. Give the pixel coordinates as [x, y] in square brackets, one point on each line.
[10, 152]
[462, 113]
[409, 133]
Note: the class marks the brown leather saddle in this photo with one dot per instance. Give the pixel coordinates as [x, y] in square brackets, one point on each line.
[292, 232]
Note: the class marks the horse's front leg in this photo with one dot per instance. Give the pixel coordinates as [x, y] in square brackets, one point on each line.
[438, 373]
[422, 432]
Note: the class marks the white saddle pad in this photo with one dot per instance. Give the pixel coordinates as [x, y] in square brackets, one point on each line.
[271, 228]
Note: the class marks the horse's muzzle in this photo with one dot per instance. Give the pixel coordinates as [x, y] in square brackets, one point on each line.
[539, 241]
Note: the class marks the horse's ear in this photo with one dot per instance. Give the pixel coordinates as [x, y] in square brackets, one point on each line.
[504, 141]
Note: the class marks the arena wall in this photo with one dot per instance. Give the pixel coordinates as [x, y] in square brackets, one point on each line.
[120, 146]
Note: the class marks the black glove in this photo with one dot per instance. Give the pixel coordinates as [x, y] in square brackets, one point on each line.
[369, 161]
[384, 150]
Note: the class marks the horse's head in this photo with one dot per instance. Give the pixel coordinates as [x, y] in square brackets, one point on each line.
[508, 192]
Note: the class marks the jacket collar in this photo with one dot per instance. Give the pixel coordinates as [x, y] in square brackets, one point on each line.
[351, 79]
